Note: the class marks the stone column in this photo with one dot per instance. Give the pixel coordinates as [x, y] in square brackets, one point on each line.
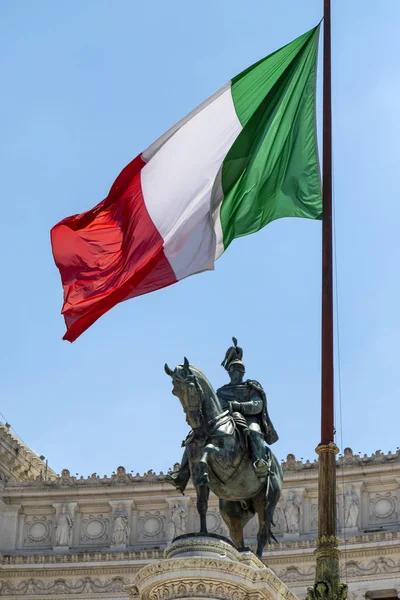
[210, 568]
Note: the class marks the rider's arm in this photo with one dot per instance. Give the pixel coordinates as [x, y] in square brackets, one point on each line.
[253, 407]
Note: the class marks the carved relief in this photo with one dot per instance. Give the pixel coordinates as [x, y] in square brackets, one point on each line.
[349, 458]
[291, 464]
[151, 525]
[292, 574]
[252, 527]
[292, 513]
[63, 527]
[373, 567]
[121, 528]
[383, 507]
[314, 516]
[87, 585]
[350, 507]
[195, 589]
[37, 531]
[121, 476]
[66, 478]
[178, 515]
[94, 528]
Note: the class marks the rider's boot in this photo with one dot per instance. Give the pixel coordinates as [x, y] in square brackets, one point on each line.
[258, 452]
[179, 479]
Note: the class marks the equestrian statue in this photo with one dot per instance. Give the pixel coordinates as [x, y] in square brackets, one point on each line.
[225, 450]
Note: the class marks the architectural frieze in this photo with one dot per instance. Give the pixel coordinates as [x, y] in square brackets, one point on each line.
[87, 585]
[82, 557]
[192, 588]
[70, 572]
[206, 565]
[88, 532]
[354, 546]
[290, 466]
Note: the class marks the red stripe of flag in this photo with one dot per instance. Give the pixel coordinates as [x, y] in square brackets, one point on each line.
[109, 254]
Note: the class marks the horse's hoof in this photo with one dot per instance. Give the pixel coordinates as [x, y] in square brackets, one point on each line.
[175, 482]
[171, 480]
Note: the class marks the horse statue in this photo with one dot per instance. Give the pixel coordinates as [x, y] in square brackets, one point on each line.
[217, 456]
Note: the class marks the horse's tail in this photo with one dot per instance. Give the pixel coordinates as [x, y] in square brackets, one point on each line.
[271, 535]
[273, 494]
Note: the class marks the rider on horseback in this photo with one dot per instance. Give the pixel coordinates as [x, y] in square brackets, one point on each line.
[247, 399]
[247, 403]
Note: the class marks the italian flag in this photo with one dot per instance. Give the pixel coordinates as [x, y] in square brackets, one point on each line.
[243, 158]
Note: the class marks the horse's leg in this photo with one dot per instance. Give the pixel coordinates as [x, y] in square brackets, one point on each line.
[262, 507]
[202, 475]
[231, 512]
[203, 491]
[265, 503]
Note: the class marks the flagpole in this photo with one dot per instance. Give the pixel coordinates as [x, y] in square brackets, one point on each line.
[327, 577]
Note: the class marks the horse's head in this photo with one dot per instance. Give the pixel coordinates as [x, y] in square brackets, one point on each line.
[187, 388]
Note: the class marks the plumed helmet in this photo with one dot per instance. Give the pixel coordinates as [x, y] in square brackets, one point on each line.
[233, 356]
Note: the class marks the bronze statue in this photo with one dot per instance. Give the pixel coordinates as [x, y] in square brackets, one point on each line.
[246, 401]
[225, 450]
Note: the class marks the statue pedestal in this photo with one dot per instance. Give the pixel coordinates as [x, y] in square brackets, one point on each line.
[208, 567]
[60, 549]
[291, 536]
[348, 531]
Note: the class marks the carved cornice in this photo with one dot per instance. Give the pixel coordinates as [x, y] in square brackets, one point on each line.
[87, 585]
[383, 566]
[151, 577]
[351, 570]
[274, 552]
[359, 539]
[291, 466]
[73, 571]
[66, 480]
[345, 555]
[188, 564]
[348, 459]
[81, 557]
[38, 581]
[17, 461]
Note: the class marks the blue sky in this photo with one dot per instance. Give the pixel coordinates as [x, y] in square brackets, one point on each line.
[89, 84]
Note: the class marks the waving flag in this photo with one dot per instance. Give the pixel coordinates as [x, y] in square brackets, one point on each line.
[243, 158]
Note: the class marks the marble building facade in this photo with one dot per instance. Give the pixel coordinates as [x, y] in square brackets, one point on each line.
[88, 537]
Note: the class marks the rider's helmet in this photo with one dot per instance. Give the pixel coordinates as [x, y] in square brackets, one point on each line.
[233, 357]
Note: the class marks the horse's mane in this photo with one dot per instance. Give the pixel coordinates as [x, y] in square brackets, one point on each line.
[202, 379]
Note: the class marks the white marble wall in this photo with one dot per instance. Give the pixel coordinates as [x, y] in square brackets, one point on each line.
[143, 512]
[126, 519]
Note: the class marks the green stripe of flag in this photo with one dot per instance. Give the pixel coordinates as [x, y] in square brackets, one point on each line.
[272, 169]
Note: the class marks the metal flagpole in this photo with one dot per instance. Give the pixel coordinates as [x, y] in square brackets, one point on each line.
[327, 580]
